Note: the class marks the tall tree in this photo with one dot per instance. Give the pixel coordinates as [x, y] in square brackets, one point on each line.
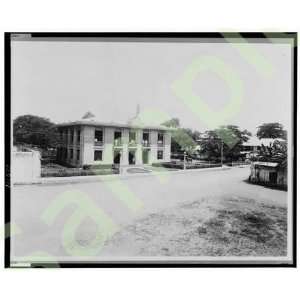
[271, 130]
[229, 138]
[34, 130]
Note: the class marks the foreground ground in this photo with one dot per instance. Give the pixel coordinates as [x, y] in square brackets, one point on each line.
[199, 213]
[211, 226]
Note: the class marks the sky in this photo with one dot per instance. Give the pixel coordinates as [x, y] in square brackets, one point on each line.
[62, 80]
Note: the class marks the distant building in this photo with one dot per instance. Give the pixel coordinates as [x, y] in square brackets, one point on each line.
[269, 173]
[253, 145]
[90, 142]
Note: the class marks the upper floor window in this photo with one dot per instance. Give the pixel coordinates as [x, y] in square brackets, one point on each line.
[118, 137]
[98, 137]
[146, 140]
[71, 135]
[160, 138]
[132, 137]
[78, 136]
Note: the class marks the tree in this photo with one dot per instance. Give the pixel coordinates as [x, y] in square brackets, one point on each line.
[210, 146]
[271, 130]
[34, 130]
[276, 152]
[174, 122]
[182, 139]
[229, 137]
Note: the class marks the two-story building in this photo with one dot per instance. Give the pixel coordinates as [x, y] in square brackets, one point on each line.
[90, 142]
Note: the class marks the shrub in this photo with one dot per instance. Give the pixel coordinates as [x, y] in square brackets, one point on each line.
[77, 172]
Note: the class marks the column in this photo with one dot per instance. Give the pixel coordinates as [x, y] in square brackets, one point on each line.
[153, 149]
[139, 148]
[167, 146]
[125, 141]
[108, 140]
[88, 145]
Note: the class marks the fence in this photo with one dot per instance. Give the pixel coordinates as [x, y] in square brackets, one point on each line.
[188, 165]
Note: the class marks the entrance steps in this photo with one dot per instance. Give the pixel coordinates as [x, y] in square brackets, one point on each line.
[133, 169]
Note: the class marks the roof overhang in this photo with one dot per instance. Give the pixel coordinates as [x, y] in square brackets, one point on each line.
[112, 124]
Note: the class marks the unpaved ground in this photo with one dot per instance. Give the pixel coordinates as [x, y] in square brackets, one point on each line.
[213, 212]
[218, 226]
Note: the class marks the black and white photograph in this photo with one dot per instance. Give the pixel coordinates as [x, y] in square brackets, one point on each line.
[150, 149]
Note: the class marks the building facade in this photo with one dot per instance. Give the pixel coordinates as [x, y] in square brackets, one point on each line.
[88, 142]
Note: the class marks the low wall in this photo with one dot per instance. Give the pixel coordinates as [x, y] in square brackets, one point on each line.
[25, 166]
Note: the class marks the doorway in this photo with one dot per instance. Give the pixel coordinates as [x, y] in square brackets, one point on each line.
[273, 177]
[117, 157]
[131, 157]
[145, 156]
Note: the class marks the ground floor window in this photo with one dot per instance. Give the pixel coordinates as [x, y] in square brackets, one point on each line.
[71, 153]
[160, 154]
[78, 155]
[98, 155]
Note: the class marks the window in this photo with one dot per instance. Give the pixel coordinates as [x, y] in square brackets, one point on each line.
[78, 155]
[72, 136]
[65, 136]
[146, 139]
[98, 136]
[132, 137]
[160, 154]
[71, 153]
[118, 137]
[160, 138]
[78, 136]
[145, 136]
[98, 155]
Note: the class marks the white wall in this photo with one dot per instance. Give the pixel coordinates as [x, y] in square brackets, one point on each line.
[25, 166]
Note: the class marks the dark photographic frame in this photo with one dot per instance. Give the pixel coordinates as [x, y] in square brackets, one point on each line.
[141, 35]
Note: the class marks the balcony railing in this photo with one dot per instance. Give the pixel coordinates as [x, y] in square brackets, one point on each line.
[98, 143]
[132, 144]
[118, 142]
[160, 143]
[146, 143]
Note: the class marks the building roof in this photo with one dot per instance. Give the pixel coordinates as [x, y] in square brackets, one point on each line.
[265, 164]
[89, 120]
[255, 141]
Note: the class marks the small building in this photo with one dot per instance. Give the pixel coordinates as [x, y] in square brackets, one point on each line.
[92, 142]
[269, 173]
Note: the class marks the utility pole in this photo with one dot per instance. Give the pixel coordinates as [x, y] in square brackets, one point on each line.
[221, 153]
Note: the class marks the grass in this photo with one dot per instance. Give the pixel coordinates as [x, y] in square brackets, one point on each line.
[209, 227]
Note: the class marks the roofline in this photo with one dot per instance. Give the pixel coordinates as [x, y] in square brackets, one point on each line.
[103, 124]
